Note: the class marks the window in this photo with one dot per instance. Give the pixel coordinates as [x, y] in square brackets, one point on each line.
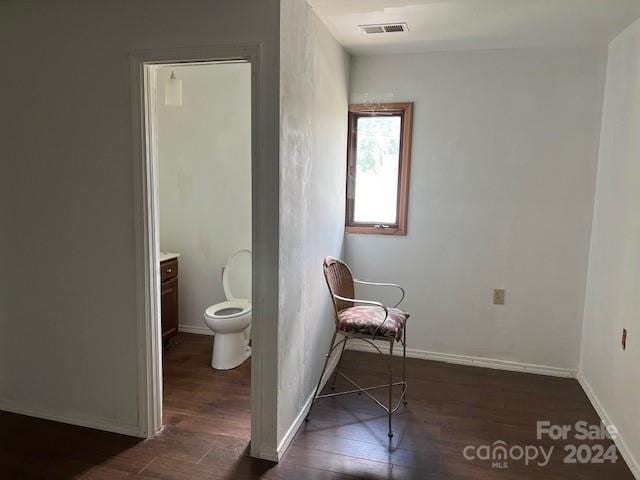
[378, 152]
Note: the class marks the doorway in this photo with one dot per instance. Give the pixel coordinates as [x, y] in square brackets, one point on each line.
[145, 66]
[201, 117]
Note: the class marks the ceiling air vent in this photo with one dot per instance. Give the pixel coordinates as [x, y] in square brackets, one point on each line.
[384, 28]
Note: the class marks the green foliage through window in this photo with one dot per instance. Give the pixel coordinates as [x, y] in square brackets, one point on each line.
[378, 140]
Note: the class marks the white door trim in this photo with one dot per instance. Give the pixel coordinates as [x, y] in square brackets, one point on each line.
[265, 172]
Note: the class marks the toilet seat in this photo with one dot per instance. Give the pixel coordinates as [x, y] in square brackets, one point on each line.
[238, 309]
[236, 276]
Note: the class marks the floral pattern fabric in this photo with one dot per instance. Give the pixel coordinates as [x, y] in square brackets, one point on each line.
[365, 319]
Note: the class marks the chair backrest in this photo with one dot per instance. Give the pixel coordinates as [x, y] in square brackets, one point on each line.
[340, 282]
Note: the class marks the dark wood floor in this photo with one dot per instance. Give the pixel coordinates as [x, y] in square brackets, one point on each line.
[207, 429]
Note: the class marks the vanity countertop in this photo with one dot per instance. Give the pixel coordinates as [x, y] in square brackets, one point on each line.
[164, 256]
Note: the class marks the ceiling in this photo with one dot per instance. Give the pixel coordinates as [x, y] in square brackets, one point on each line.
[475, 24]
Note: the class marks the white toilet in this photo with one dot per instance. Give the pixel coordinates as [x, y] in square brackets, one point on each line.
[231, 320]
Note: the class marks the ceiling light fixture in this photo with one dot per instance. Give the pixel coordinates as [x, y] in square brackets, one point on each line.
[173, 91]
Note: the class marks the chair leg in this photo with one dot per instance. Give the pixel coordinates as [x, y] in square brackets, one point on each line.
[324, 368]
[335, 374]
[404, 365]
[390, 411]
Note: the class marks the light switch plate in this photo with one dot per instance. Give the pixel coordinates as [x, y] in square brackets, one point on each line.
[498, 296]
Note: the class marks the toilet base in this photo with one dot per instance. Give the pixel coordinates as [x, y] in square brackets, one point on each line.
[229, 350]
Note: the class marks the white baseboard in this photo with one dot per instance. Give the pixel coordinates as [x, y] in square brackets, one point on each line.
[632, 462]
[74, 419]
[471, 361]
[293, 429]
[195, 329]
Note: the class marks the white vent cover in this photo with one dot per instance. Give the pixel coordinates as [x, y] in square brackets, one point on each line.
[384, 28]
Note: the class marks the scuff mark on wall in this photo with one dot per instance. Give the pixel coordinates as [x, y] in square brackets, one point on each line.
[185, 187]
[204, 244]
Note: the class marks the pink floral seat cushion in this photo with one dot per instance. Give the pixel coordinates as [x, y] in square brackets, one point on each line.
[365, 319]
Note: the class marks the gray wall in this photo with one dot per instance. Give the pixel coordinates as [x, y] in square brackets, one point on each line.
[69, 329]
[501, 194]
[204, 166]
[313, 112]
[610, 374]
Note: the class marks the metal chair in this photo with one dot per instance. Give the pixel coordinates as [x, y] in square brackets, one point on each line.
[367, 321]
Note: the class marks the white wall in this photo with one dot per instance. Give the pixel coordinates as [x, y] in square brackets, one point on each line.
[68, 348]
[501, 196]
[313, 113]
[204, 164]
[613, 288]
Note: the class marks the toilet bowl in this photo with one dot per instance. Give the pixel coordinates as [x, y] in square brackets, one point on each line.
[230, 321]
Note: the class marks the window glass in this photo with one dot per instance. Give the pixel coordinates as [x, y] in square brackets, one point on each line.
[377, 167]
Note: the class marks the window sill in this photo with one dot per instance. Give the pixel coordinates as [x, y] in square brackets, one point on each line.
[370, 230]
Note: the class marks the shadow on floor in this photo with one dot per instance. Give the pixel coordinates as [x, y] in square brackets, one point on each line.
[35, 448]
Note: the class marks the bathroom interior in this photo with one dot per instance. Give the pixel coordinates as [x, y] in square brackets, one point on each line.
[202, 114]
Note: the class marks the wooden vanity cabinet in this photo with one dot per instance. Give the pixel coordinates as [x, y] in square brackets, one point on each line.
[169, 298]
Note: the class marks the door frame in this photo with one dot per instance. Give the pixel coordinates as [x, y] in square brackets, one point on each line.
[265, 226]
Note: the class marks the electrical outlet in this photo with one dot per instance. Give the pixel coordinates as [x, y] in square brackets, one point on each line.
[624, 339]
[498, 296]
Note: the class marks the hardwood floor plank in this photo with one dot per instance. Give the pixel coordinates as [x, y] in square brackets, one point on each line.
[349, 465]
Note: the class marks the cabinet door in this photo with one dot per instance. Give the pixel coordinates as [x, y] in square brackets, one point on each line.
[169, 305]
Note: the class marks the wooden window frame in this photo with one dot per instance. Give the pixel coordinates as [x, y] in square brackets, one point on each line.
[405, 111]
